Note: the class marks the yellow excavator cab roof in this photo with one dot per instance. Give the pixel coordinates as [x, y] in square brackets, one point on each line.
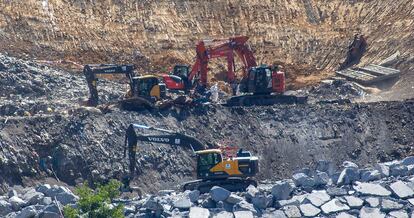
[208, 151]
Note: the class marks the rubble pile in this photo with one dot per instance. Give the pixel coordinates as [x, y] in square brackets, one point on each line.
[385, 189]
[28, 88]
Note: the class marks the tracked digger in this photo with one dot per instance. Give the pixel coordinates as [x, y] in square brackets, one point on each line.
[260, 85]
[143, 91]
[215, 167]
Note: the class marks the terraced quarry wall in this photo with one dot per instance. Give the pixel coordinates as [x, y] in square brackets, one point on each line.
[309, 37]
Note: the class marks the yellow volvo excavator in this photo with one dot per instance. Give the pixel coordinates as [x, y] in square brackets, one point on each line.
[143, 90]
[215, 167]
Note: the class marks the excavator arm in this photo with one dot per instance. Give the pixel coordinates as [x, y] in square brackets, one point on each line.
[91, 70]
[227, 48]
[132, 137]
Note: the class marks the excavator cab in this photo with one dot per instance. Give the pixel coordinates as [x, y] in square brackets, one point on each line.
[148, 86]
[265, 80]
[214, 164]
[178, 79]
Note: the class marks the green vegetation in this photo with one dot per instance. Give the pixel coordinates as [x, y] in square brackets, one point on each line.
[96, 203]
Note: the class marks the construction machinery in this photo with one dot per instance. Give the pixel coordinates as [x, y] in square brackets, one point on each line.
[143, 90]
[215, 167]
[261, 85]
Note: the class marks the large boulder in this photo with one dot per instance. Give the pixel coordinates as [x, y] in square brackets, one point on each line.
[182, 203]
[325, 166]
[292, 211]
[373, 202]
[368, 212]
[334, 206]
[198, 212]
[49, 215]
[234, 199]
[398, 214]
[66, 197]
[370, 175]
[318, 198]
[401, 189]
[335, 191]
[27, 212]
[193, 195]
[353, 202]
[251, 192]
[243, 214]
[308, 210]
[390, 205]
[262, 201]
[371, 189]
[218, 193]
[321, 179]
[408, 161]
[282, 190]
[33, 197]
[398, 170]
[303, 180]
[5, 207]
[348, 176]
[16, 203]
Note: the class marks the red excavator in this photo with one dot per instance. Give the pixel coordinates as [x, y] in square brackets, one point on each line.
[263, 84]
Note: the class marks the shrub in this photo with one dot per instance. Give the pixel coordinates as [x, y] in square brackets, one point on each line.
[96, 203]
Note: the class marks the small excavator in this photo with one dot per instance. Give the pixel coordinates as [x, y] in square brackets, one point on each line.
[144, 91]
[261, 85]
[215, 167]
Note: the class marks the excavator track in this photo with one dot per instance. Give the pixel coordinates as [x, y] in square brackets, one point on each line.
[265, 99]
[231, 184]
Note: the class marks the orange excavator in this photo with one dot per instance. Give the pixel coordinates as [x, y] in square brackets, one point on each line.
[261, 85]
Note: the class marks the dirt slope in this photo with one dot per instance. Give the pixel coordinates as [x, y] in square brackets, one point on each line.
[308, 36]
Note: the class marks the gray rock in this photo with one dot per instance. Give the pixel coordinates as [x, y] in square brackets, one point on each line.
[354, 202]
[274, 214]
[129, 209]
[408, 161]
[292, 211]
[308, 210]
[303, 180]
[368, 212]
[208, 203]
[384, 169]
[194, 195]
[411, 200]
[27, 212]
[348, 176]
[398, 170]
[318, 198]
[321, 179]
[372, 202]
[51, 208]
[282, 190]
[390, 205]
[401, 189]
[45, 189]
[261, 201]
[152, 203]
[295, 200]
[66, 198]
[398, 214]
[49, 215]
[219, 194]
[345, 215]
[349, 164]
[16, 203]
[371, 189]
[33, 197]
[223, 214]
[251, 192]
[410, 169]
[198, 212]
[234, 199]
[46, 201]
[334, 191]
[371, 175]
[245, 206]
[243, 214]
[325, 166]
[182, 203]
[12, 193]
[5, 207]
[334, 206]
